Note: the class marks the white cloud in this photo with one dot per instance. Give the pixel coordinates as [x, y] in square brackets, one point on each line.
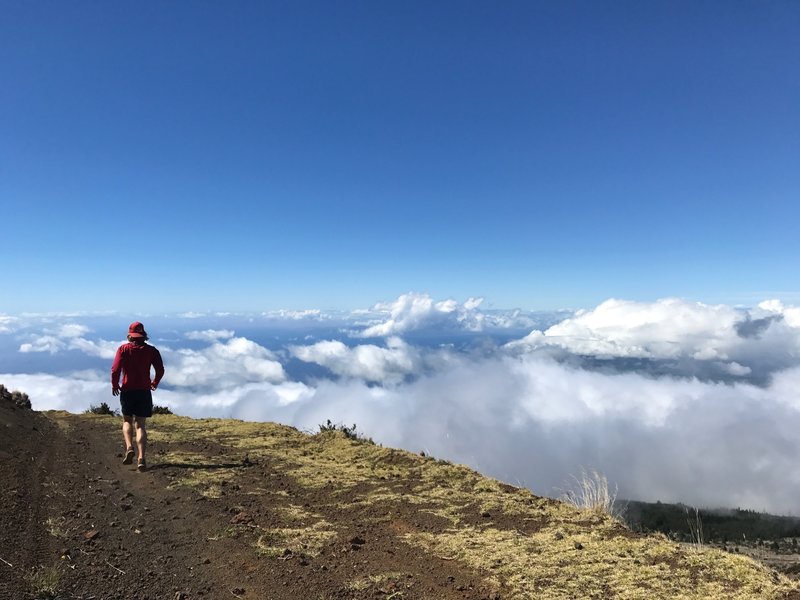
[784, 388]
[296, 315]
[790, 314]
[742, 342]
[74, 392]
[236, 361]
[7, 323]
[58, 315]
[72, 330]
[210, 335]
[415, 311]
[508, 319]
[99, 348]
[736, 369]
[249, 401]
[43, 343]
[69, 340]
[369, 362]
[664, 329]
[222, 365]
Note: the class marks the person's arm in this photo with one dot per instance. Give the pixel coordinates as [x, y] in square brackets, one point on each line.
[116, 369]
[158, 365]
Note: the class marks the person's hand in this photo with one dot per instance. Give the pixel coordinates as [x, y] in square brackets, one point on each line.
[114, 391]
[153, 385]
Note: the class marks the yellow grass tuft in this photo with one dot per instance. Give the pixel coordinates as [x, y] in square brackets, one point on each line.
[381, 580]
[44, 581]
[307, 541]
[591, 492]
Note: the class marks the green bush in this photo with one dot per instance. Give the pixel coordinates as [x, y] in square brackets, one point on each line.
[349, 432]
[103, 409]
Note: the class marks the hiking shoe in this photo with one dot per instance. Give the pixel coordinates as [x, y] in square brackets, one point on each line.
[142, 466]
[128, 457]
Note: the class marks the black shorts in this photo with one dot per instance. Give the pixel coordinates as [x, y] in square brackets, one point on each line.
[137, 403]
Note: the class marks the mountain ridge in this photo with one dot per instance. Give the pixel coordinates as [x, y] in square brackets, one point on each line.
[260, 510]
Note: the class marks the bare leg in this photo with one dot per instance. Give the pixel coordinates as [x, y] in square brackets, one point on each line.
[141, 437]
[127, 434]
[127, 430]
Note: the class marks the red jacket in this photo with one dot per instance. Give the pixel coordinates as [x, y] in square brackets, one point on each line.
[134, 361]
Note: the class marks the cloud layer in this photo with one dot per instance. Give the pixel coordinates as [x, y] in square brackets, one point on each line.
[210, 335]
[673, 400]
[702, 339]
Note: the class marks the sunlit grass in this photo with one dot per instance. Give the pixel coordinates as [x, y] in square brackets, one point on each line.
[308, 541]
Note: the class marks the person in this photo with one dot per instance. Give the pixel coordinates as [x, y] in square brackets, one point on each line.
[134, 360]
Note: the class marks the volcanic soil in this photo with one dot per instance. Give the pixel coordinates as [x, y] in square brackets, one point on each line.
[236, 510]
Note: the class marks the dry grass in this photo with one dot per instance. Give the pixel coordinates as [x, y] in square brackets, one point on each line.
[381, 580]
[695, 524]
[57, 527]
[44, 581]
[574, 562]
[297, 514]
[307, 541]
[591, 492]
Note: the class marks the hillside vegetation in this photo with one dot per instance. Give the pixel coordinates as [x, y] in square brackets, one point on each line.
[259, 510]
[723, 526]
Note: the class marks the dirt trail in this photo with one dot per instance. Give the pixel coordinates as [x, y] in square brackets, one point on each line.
[71, 508]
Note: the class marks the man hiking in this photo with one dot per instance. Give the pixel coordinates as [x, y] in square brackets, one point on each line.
[134, 360]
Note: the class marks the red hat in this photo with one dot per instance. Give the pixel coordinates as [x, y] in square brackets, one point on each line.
[136, 330]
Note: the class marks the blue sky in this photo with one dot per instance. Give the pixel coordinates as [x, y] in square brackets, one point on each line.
[250, 156]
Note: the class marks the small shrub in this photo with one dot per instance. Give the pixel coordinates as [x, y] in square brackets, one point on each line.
[18, 398]
[161, 410]
[349, 432]
[103, 409]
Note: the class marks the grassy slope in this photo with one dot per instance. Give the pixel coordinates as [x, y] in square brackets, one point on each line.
[527, 546]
